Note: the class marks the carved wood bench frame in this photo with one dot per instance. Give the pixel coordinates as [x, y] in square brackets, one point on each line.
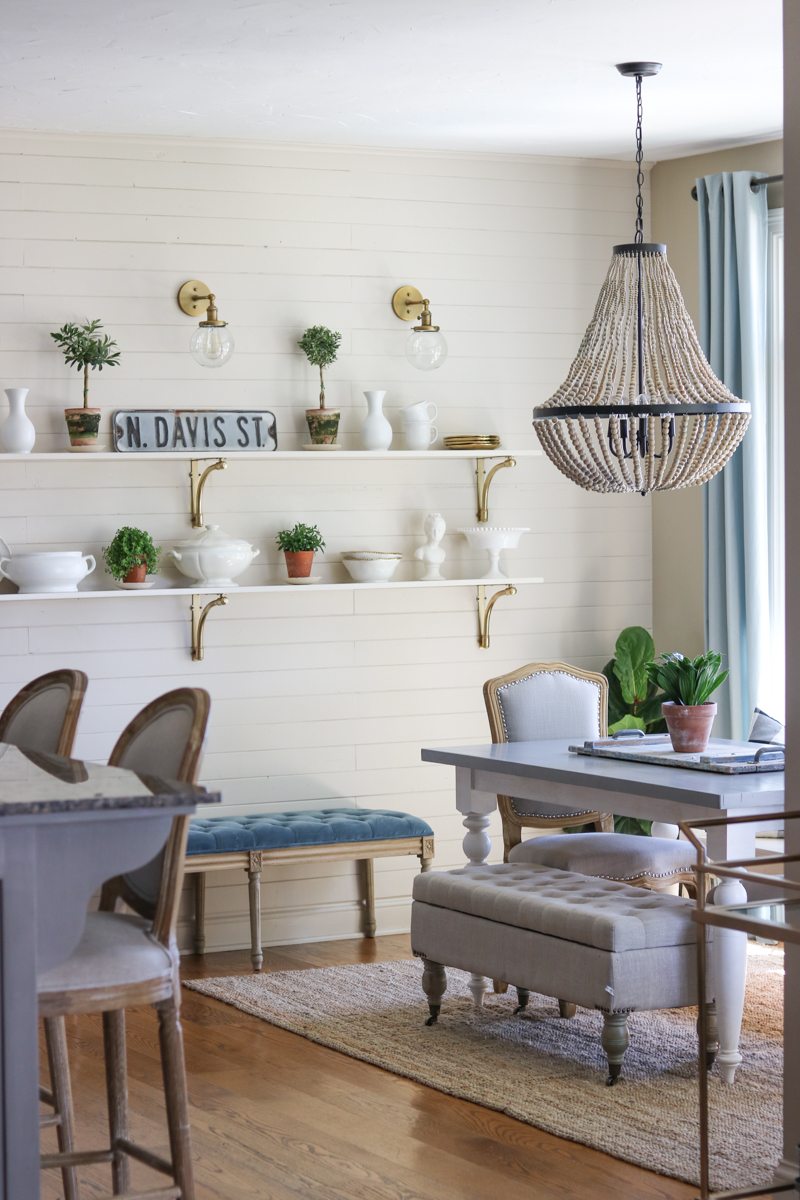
[253, 861]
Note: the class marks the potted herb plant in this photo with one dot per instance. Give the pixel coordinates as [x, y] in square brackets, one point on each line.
[85, 349]
[299, 545]
[320, 346]
[687, 684]
[132, 556]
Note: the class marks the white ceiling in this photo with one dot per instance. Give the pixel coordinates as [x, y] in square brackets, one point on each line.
[531, 76]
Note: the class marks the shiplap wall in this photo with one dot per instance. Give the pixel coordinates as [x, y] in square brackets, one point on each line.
[317, 698]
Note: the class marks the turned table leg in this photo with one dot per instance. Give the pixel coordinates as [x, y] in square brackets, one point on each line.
[477, 809]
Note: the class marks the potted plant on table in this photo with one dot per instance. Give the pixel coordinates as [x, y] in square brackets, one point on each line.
[299, 545]
[687, 684]
[84, 348]
[320, 346]
[132, 556]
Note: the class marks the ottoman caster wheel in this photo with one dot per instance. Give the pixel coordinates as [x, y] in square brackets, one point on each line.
[613, 1079]
[434, 1017]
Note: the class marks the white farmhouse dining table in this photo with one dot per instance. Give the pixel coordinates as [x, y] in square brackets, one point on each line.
[548, 771]
[65, 827]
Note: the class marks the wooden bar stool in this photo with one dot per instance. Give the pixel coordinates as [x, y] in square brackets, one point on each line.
[126, 960]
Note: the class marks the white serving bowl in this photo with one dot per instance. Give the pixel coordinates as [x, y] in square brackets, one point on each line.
[493, 539]
[47, 570]
[213, 558]
[370, 566]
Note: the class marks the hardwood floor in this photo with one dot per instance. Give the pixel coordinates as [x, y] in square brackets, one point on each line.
[275, 1117]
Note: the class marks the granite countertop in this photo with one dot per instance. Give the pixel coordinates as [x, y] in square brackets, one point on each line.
[33, 783]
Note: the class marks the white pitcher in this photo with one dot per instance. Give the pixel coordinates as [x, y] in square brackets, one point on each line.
[376, 432]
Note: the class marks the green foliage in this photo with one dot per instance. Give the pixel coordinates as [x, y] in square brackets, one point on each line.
[84, 349]
[688, 680]
[300, 537]
[320, 346]
[129, 548]
[634, 701]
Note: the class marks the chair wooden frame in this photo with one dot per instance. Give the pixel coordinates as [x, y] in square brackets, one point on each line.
[163, 992]
[76, 682]
[513, 820]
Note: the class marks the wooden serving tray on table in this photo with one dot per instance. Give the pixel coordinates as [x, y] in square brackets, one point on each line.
[720, 756]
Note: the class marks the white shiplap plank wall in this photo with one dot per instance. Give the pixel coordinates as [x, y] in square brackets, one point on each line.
[317, 698]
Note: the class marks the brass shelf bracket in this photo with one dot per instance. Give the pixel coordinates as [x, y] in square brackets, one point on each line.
[483, 482]
[485, 611]
[197, 483]
[199, 617]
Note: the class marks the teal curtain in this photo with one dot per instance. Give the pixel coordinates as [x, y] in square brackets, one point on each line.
[733, 322]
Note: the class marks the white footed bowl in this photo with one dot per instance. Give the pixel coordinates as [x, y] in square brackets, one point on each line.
[493, 539]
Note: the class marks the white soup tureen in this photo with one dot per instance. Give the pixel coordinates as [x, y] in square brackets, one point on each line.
[213, 558]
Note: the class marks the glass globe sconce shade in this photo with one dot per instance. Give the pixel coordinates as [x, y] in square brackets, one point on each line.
[212, 343]
[426, 347]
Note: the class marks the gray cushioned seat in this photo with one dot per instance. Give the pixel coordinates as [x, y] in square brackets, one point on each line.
[608, 855]
[115, 949]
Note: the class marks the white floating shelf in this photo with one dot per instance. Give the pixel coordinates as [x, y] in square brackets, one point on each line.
[201, 590]
[263, 455]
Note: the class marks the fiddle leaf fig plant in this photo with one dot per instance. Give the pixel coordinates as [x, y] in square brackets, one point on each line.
[634, 699]
[685, 680]
[320, 346]
[85, 349]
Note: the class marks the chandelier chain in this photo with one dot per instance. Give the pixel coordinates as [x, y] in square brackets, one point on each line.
[639, 235]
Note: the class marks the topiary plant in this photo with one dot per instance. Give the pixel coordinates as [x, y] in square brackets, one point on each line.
[130, 548]
[299, 538]
[320, 346]
[84, 349]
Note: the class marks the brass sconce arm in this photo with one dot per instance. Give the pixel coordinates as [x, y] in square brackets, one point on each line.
[199, 618]
[483, 483]
[485, 612]
[197, 483]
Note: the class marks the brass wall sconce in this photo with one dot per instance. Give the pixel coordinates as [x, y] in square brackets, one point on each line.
[426, 348]
[211, 344]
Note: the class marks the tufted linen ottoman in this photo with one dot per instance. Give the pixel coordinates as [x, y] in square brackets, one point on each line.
[593, 942]
[329, 834]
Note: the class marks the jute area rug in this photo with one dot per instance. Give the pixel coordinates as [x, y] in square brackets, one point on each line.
[546, 1071]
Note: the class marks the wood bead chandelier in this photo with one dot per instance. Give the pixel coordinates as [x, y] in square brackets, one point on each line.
[640, 410]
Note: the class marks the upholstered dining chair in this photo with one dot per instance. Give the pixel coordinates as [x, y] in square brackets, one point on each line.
[556, 700]
[124, 960]
[44, 714]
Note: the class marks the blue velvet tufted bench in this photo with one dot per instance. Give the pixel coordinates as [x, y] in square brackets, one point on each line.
[329, 834]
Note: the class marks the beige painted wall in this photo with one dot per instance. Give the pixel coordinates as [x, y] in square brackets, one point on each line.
[678, 516]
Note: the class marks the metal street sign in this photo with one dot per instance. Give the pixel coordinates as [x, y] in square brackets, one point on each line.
[150, 430]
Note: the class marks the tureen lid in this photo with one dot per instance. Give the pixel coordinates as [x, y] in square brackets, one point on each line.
[213, 535]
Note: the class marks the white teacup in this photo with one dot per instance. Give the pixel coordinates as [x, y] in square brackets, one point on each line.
[419, 435]
[425, 410]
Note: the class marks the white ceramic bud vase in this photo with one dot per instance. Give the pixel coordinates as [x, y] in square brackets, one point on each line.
[376, 432]
[17, 433]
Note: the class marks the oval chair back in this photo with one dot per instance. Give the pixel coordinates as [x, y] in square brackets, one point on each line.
[44, 714]
[165, 739]
[537, 702]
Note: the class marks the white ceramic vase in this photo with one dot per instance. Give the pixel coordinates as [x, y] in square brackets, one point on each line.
[376, 432]
[17, 433]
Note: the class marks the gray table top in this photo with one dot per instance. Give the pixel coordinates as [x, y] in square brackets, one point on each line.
[32, 784]
[551, 760]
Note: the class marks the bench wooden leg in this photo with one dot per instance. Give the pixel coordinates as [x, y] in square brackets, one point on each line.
[614, 1040]
[254, 891]
[200, 912]
[426, 854]
[434, 985]
[368, 896]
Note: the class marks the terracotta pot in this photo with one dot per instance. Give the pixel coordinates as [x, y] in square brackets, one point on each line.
[298, 563]
[323, 425]
[83, 425]
[689, 725]
[137, 574]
